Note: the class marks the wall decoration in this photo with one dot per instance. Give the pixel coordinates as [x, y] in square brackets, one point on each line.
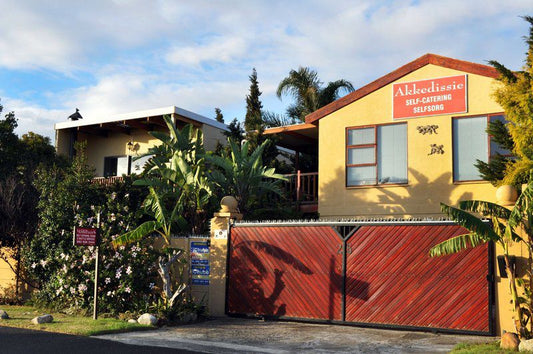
[436, 149]
[427, 129]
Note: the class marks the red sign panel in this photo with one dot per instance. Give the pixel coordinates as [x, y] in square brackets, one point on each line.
[431, 97]
[85, 236]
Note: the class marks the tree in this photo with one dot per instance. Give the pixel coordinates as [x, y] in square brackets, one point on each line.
[504, 229]
[243, 175]
[219, 116]
[236, 132]
[516, 97]
[179, 193]
[9, 145]
[252, 120]
[306, 89]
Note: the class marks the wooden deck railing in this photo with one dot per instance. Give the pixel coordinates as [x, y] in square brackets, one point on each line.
[302, 187]
[106, 181]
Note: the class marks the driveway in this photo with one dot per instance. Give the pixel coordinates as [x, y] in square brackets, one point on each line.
[231, 335]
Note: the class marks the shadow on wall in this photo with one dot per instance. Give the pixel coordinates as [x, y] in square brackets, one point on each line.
[421, 197]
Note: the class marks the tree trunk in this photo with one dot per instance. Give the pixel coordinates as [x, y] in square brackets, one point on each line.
[514, 294]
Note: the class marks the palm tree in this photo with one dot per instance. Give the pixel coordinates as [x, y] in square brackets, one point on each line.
[503, 230]
[306, 89]
[243, 175]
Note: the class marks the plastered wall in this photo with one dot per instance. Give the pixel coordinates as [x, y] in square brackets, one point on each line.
[430, 179]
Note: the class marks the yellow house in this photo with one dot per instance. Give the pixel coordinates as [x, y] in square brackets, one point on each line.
[405, 142]
[112, 142]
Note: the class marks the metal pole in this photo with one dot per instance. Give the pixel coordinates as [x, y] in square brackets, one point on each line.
[95, 303]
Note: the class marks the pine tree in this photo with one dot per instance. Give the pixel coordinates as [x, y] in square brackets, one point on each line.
[219, 116]
[515, 95]
[253, 121]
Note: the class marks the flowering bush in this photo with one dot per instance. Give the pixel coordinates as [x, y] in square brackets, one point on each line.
[63, 273]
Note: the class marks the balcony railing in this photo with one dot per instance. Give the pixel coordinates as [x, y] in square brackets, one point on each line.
[302, 187]
[107, 181]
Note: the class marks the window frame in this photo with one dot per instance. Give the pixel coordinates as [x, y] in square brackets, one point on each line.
[489, 141]
[375, 164]
[116, 157]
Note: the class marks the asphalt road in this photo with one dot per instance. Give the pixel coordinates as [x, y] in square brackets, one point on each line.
[16, 340]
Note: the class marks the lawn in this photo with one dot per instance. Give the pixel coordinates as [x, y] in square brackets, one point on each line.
[493, 347]
[20, 316]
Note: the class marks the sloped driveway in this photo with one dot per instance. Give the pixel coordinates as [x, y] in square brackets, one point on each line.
[234, 335]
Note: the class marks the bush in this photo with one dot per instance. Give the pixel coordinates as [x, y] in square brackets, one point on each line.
[64, 273]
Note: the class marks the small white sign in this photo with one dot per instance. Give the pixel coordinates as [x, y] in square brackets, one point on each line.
[221, 234]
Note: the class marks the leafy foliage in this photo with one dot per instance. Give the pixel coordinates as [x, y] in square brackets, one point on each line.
[64, 273]
[306, 89]
[516, 97]
[244, 176]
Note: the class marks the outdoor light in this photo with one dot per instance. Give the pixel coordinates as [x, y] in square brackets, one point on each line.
[130, 145]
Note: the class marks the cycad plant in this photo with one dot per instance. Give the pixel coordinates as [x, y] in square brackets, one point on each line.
[243, 174]
[178, 194]
[505, 228]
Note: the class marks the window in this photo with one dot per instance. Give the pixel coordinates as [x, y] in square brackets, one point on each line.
[471, 143]
[376, 155]
[116, 166]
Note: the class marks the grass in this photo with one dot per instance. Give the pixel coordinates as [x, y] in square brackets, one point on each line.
[20, 317]
[493, 347]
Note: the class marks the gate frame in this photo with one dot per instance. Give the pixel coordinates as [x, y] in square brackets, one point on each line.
[356, 224]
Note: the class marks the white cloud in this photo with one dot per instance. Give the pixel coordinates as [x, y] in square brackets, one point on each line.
[218, 49]
[198, 55]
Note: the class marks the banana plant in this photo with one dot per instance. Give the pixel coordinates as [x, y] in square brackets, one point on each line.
[243, 174]
[178, 193]
[505, 228]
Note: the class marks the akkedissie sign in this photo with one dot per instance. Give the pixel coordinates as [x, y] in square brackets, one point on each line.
[445, 95]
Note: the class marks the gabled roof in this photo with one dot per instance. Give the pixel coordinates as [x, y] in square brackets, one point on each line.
[461, 65]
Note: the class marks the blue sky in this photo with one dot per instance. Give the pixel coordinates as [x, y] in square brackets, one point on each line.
[111, 57]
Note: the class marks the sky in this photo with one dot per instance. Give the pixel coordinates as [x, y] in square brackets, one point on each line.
[109, 57]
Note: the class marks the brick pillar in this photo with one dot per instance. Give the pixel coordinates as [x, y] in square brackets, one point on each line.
[218, 253]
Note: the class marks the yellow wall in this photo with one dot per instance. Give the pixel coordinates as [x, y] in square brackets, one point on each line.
[430, 179]
[114, 144]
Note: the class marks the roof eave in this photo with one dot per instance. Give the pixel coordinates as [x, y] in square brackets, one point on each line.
[456, 64]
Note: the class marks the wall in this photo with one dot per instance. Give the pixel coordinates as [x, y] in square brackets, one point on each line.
[7, 277]
[430, 179]
[114, 144]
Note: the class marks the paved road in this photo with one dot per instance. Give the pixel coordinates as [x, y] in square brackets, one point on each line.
[16, 340]
[236, 335]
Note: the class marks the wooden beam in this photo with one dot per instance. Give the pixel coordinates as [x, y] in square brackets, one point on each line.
[116, 128]
[155, 121]
[93, 131]
[139, 124]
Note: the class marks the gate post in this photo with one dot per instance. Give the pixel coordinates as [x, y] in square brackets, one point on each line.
[218, 254]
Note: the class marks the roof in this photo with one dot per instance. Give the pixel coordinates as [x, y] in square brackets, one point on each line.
[143, 114]
[298, 137]
[461, 65]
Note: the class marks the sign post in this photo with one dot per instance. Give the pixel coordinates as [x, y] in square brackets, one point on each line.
[88, 236]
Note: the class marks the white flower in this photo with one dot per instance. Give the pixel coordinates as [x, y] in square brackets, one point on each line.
[107, 280]
[151, 285]
[82, 287]
[118, 275]
[72, 290]
[62, 255]
[43, 262]
[128, 270]
[113, 196]
[33, 265]
[128, 290]
[134, 254]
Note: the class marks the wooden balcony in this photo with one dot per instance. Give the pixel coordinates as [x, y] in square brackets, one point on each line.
[302, 188]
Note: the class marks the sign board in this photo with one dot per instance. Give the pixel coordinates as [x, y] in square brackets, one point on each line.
[85, 236]
[445, 95]
[200, 269]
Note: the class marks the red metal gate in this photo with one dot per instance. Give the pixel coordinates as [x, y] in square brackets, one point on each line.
[376, 274]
